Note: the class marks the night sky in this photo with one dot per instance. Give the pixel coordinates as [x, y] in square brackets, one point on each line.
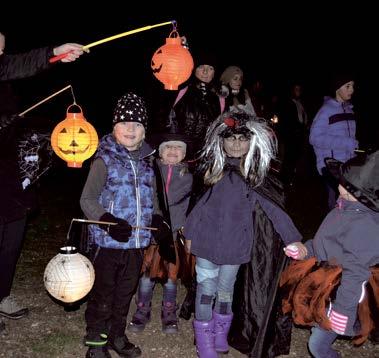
[309, 44]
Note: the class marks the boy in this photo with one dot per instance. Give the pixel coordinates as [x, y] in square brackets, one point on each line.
[120, 189]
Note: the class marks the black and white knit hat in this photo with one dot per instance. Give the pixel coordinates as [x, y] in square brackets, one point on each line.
[130, 108]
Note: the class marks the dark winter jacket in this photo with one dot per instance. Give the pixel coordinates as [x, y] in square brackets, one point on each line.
[127, 193]
[333, 132]
[220, 225]
[177, 198]
[15, 202]
[349, 237]
[195, 111]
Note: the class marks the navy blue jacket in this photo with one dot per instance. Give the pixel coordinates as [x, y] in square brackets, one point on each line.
[348, 236]
[220, 225]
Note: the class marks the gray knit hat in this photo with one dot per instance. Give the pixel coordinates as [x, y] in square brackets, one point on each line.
[130, 108]
[229, 73]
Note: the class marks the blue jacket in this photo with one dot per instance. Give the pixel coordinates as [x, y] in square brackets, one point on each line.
[333, 132]
[348, 236]
[220, 225]
[127, 194]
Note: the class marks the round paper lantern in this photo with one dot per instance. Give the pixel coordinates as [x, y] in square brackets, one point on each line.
[172, 64]
[74, 139]
[69, 276]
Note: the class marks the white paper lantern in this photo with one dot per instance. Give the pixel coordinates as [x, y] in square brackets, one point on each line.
[69, 276]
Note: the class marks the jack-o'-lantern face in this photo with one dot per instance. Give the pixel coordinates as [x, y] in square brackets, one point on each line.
[74, 140]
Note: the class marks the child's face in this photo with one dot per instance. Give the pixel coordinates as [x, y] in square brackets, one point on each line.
[172, 154]
[345, 92]
[236, 146]
[129, 134]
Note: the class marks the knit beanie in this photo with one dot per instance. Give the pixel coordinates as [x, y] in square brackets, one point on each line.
[130, 108]
[339, 80]
[229, 73]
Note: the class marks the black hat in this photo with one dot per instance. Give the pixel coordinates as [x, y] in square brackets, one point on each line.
[130, 108]
[204, 57]
[359, 176]
[339, 80]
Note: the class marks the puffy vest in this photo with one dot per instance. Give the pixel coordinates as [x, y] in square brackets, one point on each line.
[127, 194]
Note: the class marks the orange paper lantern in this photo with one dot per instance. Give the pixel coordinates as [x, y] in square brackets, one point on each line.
[172, 64]
[74, 139]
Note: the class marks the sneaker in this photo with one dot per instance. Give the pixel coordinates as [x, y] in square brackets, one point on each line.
[98, 352]
[140, 318]
[124, 348]
[11, 309]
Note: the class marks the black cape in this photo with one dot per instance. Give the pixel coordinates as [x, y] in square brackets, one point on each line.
[258, 328]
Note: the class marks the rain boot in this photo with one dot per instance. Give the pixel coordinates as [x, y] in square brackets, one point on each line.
[205, 340]
[168, 316]
[141, 317]
[222, 326]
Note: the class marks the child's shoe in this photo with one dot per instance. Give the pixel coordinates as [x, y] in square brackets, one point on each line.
[98, 352]
[124, 348]
[141, 317]
[168, 316]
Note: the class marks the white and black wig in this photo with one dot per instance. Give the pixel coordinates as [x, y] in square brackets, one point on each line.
[255, 164]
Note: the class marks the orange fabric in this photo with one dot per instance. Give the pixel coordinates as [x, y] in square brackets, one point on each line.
[308, 287]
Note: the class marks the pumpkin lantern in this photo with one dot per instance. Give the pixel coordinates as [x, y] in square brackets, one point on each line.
[74, 139]
[172, 64]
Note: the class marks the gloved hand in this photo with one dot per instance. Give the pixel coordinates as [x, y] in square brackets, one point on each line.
[120, 232]
[163, 231]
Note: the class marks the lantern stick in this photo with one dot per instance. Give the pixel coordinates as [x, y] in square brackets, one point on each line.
[44, 100]
[111, 223]
[114, 37]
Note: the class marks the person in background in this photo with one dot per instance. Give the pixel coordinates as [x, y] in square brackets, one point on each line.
[237, 97]
[174, 184]
[17, 200]
[333, 131]
[120, 189]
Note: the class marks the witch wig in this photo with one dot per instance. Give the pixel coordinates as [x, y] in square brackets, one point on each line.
[255, 164]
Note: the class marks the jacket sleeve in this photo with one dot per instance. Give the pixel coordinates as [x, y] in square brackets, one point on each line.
[89, 200]
[283, 224]
[359, 250]
[320, 136]
[13, 67]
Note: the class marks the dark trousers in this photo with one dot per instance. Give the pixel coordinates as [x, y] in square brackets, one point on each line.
[116, 277]
[331, 186]
[11, 237]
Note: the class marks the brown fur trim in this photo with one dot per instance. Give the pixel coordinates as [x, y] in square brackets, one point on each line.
[291, 277]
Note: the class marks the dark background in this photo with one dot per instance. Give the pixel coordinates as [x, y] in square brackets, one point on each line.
[279, 44]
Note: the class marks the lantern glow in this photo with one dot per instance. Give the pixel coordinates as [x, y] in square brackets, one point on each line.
[69, 276]
[172, 64]
[74, 139]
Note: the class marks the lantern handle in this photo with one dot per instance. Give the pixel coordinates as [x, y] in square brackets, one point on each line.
[174, 32]
[74, 105]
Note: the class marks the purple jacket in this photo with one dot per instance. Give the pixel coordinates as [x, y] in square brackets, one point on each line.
[333, 132]
[220, 225]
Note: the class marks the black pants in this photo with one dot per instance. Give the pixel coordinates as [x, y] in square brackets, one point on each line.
[116, 277]
[11, 237]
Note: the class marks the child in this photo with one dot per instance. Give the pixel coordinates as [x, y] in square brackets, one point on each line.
[120, 189]
[174, 183]
[333, 131]
[219, 229]
[348, 237]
